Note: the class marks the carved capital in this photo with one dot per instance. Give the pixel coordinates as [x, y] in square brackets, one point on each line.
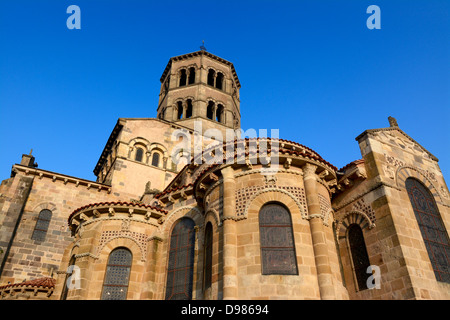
[309, 170]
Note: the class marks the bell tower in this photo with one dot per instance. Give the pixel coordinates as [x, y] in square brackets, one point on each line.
[200, 86]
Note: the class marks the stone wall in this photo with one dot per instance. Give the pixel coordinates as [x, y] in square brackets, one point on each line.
[381, 206]
[28, 258]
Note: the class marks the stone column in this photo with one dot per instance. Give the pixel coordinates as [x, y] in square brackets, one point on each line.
[184, 110]
[230, 289]
[150, 290]
[324, 274]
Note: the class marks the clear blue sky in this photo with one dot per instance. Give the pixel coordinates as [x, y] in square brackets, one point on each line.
[311, 69]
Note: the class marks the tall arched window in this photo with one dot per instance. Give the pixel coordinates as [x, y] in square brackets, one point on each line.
[219, 113]
[155, 159]
[211, 76]
[139, 154]
[189, 108]
[42, 223]
[433, 231]
[219, 80]
[210, 110]
[183, 77]
[359, 254]
[180, 270]
[179, 110]
[277, 240]
[115, 285]
[208, 255]
[191, 79]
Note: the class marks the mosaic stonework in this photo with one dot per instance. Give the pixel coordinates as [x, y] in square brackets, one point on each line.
[244, 195]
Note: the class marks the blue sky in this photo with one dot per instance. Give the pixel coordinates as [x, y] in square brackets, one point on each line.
[62, 91]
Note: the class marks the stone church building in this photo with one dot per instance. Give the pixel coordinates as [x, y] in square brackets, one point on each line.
[161, 222]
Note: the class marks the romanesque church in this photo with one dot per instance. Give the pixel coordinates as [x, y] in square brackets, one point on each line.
[162, 223]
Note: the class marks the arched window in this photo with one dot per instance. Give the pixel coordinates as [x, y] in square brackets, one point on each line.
[180, 270]
[139, 154]
[155, 159]
[189, 108]
[191, 75]
[219, 81]
[183, 77]
[65, 290]
[42, 223]
[431, 227]
[179, 110]
[115, 285]
[219, 113]
[211, 76]
[210, 110]
[359, 254]
[277, 240]
[208, 255]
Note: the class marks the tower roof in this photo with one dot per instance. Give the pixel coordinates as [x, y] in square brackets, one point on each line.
[199, 53]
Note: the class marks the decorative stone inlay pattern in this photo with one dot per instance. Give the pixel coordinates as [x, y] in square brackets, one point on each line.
[398, 163]
[244, 195]
[325, 205]
[325, 208]
[360, 205]
[349, 218]
[139, 238]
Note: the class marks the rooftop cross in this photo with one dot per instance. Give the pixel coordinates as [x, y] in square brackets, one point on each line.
[202, 47]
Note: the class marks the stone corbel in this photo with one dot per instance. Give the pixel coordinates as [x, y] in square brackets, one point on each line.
[361, 174]
[96, 213]
[288, 162]
[213, 177]
[268, 162]
[347, 182]
[75, 222]
[332, 183]
[111, 212]
[248, 163]
[323, 174]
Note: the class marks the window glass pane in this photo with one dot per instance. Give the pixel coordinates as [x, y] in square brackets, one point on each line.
[139, 154]
[431, 227]
[42, 224]
[277, 240]
[115, 285]
[155, 159]
[181, 261]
